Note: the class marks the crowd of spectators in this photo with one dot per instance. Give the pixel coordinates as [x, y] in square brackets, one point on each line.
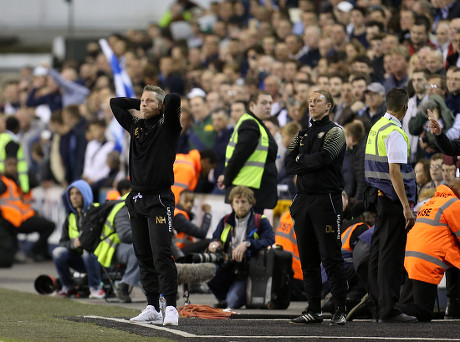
[216, 57]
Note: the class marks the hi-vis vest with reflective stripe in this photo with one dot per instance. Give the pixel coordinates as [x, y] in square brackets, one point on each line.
[431, 246]
[376, 167]
[251, 173]
[73, 227]
[228, 228]
[347, 251]
[109, 237]
[5, 138]
[181, 239]
[285, 236]
[12, 207]
[187, 168]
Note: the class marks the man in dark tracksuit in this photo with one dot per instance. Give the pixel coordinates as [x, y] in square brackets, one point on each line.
[154, 138]
[316, 155]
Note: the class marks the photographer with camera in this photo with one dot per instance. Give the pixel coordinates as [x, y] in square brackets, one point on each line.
[238, 235]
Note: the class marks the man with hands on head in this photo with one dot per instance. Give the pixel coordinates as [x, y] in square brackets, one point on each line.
[154, 138]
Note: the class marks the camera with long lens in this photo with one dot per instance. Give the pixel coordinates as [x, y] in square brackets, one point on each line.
[46, 284]
[199, 258]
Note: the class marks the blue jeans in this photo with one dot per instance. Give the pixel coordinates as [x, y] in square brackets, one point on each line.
[65, 259]
[230, 287]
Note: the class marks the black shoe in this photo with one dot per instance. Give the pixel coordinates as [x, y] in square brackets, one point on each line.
[400, 318]
[307, 318]
[363, 303]
[339, 317]
[222, 304]
[123, 291]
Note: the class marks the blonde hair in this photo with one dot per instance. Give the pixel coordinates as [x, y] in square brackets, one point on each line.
[290, 129]
[242, 191]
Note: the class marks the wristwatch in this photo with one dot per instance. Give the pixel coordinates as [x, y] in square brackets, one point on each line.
[247, 244]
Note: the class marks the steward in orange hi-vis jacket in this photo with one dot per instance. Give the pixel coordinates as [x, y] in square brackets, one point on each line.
[433, 245]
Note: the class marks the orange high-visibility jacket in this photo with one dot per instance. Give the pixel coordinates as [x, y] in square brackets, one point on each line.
[12, 206]
[431, 246]
[181, 239]
[187, 169]
[285, 236]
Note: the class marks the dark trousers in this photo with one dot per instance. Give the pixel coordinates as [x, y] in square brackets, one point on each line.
[417, 299]
[453, 284]
[386, 261]
[151, 224]
[317, 227]
[35, 224]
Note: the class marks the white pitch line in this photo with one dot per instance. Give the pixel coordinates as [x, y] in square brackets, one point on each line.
[146, 325]
[337, 338]
[186, 334]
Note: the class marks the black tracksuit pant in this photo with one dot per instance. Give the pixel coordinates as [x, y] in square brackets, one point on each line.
[317, 226]
[151, 223]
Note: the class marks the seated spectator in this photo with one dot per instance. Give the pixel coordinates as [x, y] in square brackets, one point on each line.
[238, 237]
[190, 238]
[17, 215]
[117, 240]
[436, 170]
[69, 254]
[285, 236]
[422, 175]
[190, 168]
[449, 170]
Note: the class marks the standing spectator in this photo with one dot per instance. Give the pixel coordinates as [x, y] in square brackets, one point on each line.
[72, 92]
[221, 125]
[311, 40]
[98, 148]
[251, 154]
[435, 63]
[153, 145]
[454, 58]
[399, 69]
[69, 254]
[419, 34]
[453, 86]
[73, 143]
[202, 135]
[418, 125]
[316, 155]
[10, 97]
[393, 182]
[237, 109]
[375, 103]
[355, 135]
[442, 38]
[419, 81]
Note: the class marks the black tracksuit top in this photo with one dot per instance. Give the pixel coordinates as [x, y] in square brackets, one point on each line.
[321, 149]
[152, 149]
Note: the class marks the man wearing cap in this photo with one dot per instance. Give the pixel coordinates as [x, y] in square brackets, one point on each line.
[375, 103]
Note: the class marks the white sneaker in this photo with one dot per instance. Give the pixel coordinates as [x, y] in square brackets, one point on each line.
[97, 293]
[148, 315]
[171, 316]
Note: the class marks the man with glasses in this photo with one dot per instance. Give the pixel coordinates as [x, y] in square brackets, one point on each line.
[436, 170]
